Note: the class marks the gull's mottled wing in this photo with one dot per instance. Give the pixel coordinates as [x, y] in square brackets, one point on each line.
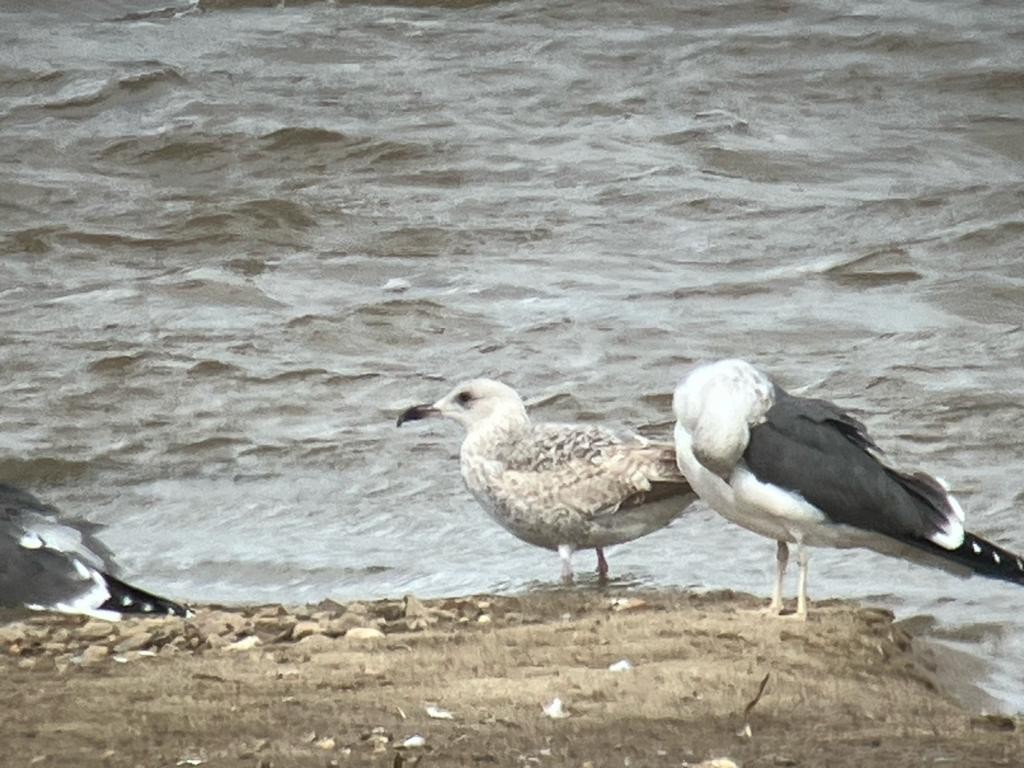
[591, 475]
[554, 446]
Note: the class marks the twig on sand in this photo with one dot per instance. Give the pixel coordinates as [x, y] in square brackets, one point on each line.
[746, 731]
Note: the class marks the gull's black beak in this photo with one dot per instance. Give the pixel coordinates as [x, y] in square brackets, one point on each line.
[416, 413]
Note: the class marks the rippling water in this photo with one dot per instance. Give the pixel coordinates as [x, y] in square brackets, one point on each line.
[236, 242]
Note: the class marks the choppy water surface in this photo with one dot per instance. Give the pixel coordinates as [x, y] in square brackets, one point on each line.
[235, 243]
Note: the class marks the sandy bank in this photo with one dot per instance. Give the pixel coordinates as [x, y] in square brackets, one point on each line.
[349, 684]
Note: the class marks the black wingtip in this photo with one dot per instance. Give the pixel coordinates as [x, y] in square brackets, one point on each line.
[982, 558]
[126, 599]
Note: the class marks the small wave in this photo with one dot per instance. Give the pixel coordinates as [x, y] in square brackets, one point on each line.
[44, 470]
[35, 241]
[875, 269]
[169, 12]
[229, 5]
[208, 444]
[116, 364]
[286, 138]
[109, 240]
[144, 80]
[213, 368]
[168, 148]
[204, 291]
[412, 241]
[902, 42]
[402, 308]
[982, 81]
[269, 219]
[91, 93]
[312, 147]
[276, 213]
[330, 378]
[764, 165]
[82, 94]
[25, 82]
[995, 234]
[733, 290]
[706, 125]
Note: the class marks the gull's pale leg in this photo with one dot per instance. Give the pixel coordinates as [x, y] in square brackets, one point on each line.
[781, 561]
[602, 565]
[802, 556]
[565, 552]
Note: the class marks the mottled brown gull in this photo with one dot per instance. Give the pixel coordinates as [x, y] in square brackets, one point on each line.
[49, 562]
[559, 486]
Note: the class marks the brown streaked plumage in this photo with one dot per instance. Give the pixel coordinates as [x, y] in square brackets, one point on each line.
[559, 486]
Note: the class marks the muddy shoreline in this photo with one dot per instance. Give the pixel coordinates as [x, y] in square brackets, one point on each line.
[644, 679]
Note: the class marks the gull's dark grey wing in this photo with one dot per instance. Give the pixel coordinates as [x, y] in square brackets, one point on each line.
[813, 448]
[21, 510]
[50, 562]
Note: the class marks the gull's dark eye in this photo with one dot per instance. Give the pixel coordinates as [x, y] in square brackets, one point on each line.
[463, 398]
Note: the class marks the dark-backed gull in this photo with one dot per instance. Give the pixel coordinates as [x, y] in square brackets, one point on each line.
[802, 471]
[559, 486]
[49, 562]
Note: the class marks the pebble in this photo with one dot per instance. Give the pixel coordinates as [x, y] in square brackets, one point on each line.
[305, 629]
[315, 643]
[94, 629]
[339, 626]
[134, 641]
[94, 654]
[245, 644]
[13, 633]
[219, 623]
[627, 603]
[275, 625]
[216, 641]
[364, 633]
[413, 607]
[312, 627]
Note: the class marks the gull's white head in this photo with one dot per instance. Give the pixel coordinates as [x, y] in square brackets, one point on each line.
[716, 404]
[472, 403]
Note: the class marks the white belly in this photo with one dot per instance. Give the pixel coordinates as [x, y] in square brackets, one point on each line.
[759, 507]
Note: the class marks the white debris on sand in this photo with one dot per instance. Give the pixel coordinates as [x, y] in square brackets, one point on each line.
[439, 714]
[554, 709]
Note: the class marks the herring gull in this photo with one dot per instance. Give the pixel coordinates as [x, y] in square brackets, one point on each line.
[559, 486]
[49, 562]
[803, 471]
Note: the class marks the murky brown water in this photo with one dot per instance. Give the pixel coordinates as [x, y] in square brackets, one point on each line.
[235, 243]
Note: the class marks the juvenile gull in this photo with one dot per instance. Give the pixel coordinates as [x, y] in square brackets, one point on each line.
[49, 562]
[802, 471]
[559, 486]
